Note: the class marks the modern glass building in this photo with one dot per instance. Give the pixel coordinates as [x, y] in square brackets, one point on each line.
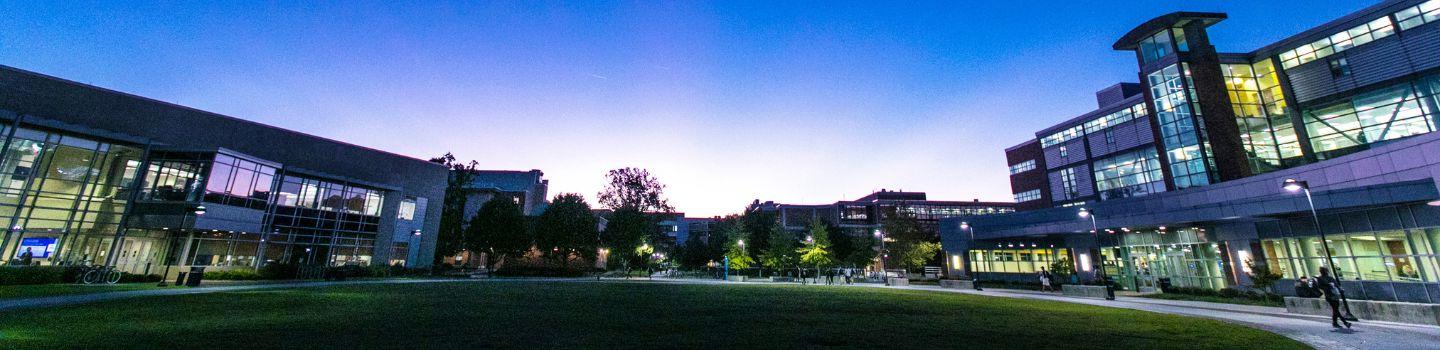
[1182, 172]
[96, 177]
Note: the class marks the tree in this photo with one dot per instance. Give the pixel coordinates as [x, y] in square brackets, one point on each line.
[816, 251]
[499, 229]
[914, 244]
[566, 230]
[758, 224]
[781, 252]
[1061, 269]
[450, 239]
[1262, 276]
[627, 230]
[634, 188]
[735, 247]
[863, 251]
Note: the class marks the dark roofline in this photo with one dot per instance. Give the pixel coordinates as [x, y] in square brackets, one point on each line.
[1132, 39]
[1022, 144]
[1116, 107]
[201, 111]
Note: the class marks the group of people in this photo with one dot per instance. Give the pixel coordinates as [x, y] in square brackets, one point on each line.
[1323, 286]
[847, 274]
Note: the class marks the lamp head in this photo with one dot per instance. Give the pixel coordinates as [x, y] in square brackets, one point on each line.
[1084, 213]
[964, 225]
[1293, 185]
[200, 210]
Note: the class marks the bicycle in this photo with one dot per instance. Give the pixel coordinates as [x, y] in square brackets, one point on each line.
[101, 274]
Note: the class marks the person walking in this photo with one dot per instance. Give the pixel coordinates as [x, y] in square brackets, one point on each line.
[1045, 277]
[829, 277]
[27, 258]
[1330, 287]
[847, 275]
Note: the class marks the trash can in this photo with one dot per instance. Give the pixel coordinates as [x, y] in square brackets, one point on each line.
[1164, 284]
[197, 273]
[180, 278]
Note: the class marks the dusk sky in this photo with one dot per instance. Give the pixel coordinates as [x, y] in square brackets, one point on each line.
[726, 103]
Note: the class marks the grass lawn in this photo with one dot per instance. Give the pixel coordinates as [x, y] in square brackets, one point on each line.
[526, 314]
[46, 290]
[1216, 299]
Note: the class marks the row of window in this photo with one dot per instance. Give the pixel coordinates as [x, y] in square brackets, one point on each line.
[1025, 166]
[1426, 12]
[1359, 35]
[329, 196]
[1116, 118]
[1062, 136]
[1015, 260]
[1027, 196]
[1400, 256]
[239, 182]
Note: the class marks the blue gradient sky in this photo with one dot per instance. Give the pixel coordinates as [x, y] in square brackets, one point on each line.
[795, 102]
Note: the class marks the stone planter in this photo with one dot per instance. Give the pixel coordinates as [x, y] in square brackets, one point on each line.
[1391, 311]
[1083, 291]
[735, 278]
[957, 284]
[782, 279]
[898, 281]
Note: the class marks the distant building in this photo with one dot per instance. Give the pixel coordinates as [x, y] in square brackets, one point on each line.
[527, 188]
[866, 214]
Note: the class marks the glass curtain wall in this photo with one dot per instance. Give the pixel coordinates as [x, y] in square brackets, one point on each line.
[63, 196]
[1387, 113]
[1129, 174]
[1181, 129]
[1184, 256]
[1265, 128]
[319, 222]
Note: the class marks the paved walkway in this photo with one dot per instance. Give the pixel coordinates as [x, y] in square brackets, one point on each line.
[1312, 330]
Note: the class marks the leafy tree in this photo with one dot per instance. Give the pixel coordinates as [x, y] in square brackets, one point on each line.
[759, 225]
[914, 244]
[781, 252]
[864, 251]
[1062, 269]
[627, 230]
[1262, 276]
[634, 188]
[816, 251]
[566, 230]
[450, 239]
[735, 251]
[499, 229]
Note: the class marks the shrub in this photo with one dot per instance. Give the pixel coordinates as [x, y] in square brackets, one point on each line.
[233, 275]
[278, 271]
[36, 275]
[138, 278]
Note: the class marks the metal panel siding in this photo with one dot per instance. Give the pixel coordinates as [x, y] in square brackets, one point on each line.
[1127, 135]
[1311, 80]
[1423, 46]
[1075, 149]
[1377, 61]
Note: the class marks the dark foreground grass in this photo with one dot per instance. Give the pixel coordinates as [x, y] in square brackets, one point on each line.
[609, 315]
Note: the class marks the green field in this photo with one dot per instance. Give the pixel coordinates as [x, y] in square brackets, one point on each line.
[526, 314]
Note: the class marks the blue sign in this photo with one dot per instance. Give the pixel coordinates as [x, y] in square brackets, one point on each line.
[39, 247]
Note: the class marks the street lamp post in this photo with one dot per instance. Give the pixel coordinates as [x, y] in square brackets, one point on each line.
[1100, 272]
[970, 269]
[885, 276]
[198, 210]
[1293, 185]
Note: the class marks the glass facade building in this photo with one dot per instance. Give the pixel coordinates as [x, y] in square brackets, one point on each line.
[135, 190]
[1190, 192]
